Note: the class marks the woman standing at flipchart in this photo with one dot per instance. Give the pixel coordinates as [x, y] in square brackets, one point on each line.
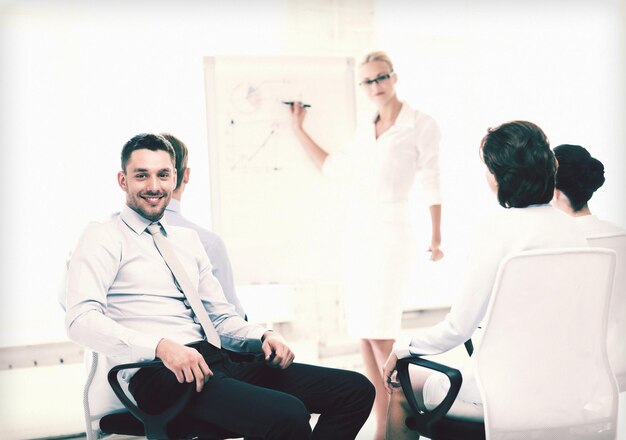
[386, 155]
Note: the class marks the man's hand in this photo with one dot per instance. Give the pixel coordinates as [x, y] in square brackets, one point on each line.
[389, 371]
[277, 353]
[186, 363]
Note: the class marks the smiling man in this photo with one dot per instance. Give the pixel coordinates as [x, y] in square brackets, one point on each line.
[124, 301]
[148, 187]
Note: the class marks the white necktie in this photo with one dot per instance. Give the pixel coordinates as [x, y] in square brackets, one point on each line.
[187, 287]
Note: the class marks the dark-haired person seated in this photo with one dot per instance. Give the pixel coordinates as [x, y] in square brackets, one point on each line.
[212, 243]
[579, 175]
[139, 288]
[521, 172]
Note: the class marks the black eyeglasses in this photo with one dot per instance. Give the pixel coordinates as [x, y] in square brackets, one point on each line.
[377, 80]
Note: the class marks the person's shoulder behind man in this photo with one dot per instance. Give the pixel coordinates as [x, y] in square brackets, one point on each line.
[209, 239]
[594, 226]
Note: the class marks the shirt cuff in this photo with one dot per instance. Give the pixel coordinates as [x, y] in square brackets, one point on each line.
[144, 347]
[402, 349]
[432, 197]
[335, 165]
[327, 166]
[254, 337]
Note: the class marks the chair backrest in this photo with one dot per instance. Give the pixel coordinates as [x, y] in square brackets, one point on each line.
[98, 397]
[91, 422]
[542, 366]
[616, 341]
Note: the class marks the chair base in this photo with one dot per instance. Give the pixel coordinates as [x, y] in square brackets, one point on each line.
[126, 424]
[452, 429]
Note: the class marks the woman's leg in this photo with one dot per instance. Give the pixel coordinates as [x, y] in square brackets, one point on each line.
[399, 408]
[375, 352]
[398, 412]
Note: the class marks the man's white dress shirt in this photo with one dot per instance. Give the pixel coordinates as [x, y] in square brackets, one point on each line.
[508, 232]
[122, 299]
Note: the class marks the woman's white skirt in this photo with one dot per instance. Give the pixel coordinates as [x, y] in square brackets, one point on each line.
[380, 252]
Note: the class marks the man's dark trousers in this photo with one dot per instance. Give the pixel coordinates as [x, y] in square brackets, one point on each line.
[254, 400]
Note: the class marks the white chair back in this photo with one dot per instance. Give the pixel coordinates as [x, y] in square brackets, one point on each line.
[616, 339]
[92, 430]
[98, 396]
[542, 366]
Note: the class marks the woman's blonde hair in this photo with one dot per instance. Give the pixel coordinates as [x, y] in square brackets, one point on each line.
[378, 55]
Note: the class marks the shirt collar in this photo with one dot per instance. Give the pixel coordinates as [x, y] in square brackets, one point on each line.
[137, 222]
[536, 206]
[404, 119]
[173, 206]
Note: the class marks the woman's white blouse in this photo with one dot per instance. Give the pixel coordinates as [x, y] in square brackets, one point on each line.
[593, 226]
[384, 170]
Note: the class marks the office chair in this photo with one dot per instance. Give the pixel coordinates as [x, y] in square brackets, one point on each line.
[542, 366]
[616, 345]
[130, 420]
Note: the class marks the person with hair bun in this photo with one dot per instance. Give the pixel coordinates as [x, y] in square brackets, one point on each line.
[388, 153]
[580, 175]
[521, 172]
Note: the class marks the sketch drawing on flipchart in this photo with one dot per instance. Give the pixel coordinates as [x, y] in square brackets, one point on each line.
[279, 215]
[257, 124]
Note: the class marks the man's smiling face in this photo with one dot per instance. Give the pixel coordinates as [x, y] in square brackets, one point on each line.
[148, 180]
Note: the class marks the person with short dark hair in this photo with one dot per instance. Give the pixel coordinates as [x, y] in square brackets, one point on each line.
[579, 176]
[213, 243]
[520, 171]
[520, 163]
[139, 289]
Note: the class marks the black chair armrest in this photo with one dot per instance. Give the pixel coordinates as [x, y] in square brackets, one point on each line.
[155, 425]
[469, 347]
[424, 419]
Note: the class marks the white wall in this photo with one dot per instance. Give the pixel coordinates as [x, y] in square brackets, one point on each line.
[78, 80]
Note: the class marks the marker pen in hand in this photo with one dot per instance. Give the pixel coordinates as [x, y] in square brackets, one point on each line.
[302, 104]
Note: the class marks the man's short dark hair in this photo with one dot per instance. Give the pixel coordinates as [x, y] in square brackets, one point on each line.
[148, 141]
[181, 156]
[518, 154]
